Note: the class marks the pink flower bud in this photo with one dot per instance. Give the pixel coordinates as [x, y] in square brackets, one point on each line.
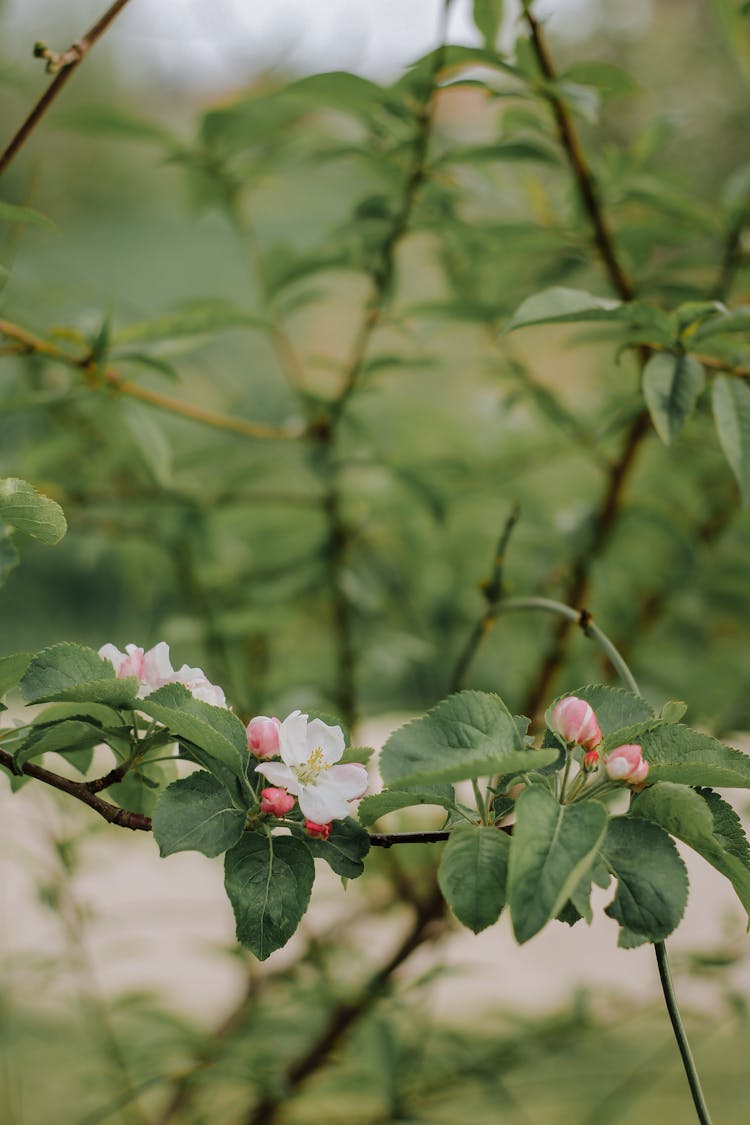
[276, 802]
[590, 761]
[626, 763]
[574, 719]
[263, 736]
[318, 831]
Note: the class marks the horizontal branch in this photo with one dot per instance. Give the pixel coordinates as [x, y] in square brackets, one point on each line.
[111, 380]
[81, 792]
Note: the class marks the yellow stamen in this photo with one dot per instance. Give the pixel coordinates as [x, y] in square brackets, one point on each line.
[314, 766]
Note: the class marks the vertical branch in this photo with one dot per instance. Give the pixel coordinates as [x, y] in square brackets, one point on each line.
[62, 66]
[492, 589]
[425, 927]
[608, 508]
[327, 430]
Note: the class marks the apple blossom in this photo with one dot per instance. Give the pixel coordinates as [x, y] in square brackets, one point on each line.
[153, 669]
[263, 736]
[574, 719]
[626, 763]
[309, 752]
[318, 831]
[276, 802]
[199, 686]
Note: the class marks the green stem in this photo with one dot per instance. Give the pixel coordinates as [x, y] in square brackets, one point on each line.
[583, 619]
[688, 1062]
[481, 803]
[566, 772]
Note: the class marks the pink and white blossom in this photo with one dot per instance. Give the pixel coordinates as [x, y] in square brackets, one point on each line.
[309, 752]
[263, 736]
[199, 686]
[626, 763]
[276, 802]
[574, 719]
[153, 669]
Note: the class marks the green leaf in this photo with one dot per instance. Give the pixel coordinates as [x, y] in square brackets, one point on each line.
[344, 849]
[738, 320]
[390, 800]
[98, 713]
[728, 828]
[673, 710]
[195, 814]
[150, 441]
[488, 17]
[68, 671]
[553, 847]
[677, 753]
[12, 669]
[671, 386]
[652, 883]
[268, 880]
[336, 89]
[562, 306]
[9, 557]
[215, 730]
[615, 708]
[473, 874]
[501, 151]
[465, 736]
[611, 81]
[731, 408]
[71, 734]
[686, 814]
[199, 318]
[30, 512]
[113, 122]
[10, 213]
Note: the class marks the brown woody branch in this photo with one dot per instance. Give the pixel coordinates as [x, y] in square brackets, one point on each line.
[64, 65]
[81, 791]
[428, 925]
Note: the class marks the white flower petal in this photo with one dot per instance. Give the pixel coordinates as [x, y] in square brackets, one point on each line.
[157, 667]
[109, 652]
[293, 739]
[329, 739]
[281, 775]
[322, 802]
[351, 780]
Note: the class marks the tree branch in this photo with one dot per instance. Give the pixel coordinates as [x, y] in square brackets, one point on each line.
[64, 65]
[427, 926]
[80, 790]
[492, 589]
[111, 379]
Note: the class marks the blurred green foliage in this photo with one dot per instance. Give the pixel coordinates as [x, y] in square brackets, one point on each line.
[276, 206]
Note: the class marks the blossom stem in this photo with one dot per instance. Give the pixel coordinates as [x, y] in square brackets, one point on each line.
[566, 772]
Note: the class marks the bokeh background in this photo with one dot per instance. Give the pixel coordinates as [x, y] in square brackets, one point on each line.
[189, 174]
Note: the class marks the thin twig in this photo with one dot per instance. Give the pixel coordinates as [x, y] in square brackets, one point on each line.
[492, 589]
[111, 380]
[67, 62]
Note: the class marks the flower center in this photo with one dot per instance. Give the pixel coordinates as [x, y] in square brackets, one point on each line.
[308, 773]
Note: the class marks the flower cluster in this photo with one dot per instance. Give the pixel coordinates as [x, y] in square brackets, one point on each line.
[153, 669]
[575, 721]
[310, 770]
